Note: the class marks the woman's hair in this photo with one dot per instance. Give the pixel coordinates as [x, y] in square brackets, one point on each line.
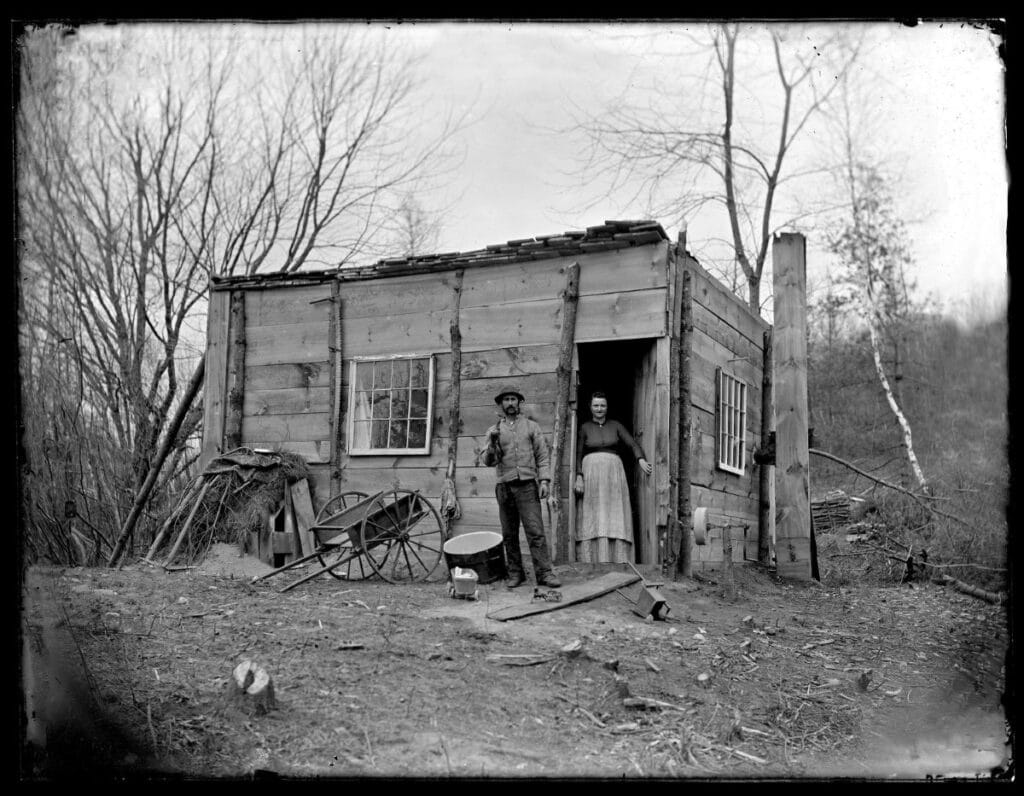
[598, 394]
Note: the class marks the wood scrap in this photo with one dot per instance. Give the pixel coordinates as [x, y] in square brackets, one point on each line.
[571, 595]
[305, 518]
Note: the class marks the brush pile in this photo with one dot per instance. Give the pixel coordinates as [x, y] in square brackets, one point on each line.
[230, 501]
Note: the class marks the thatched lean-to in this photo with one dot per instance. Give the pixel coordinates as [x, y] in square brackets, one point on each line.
[232, 500]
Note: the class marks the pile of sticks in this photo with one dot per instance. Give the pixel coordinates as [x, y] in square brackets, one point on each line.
[222, 501]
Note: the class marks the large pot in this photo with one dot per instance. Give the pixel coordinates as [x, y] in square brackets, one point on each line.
[481, 551]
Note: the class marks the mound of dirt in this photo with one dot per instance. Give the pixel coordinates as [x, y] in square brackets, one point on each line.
[225, 560]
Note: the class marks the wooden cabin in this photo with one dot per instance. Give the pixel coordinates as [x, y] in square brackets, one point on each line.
[293, 361]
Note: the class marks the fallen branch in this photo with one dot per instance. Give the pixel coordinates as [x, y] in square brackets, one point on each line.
[916, 498]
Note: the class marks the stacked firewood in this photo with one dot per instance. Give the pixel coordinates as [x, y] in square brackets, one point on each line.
[831, 512]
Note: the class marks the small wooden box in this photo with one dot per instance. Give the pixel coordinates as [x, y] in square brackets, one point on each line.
[651, 602]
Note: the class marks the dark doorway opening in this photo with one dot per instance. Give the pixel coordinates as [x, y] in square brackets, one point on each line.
[614, 368]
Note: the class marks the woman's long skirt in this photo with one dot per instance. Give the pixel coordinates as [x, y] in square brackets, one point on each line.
[604, 532]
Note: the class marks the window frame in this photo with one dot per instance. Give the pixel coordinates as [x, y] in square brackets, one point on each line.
[350, 419]
[730, 421]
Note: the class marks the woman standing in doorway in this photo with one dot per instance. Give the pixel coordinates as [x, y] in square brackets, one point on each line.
[604, 533]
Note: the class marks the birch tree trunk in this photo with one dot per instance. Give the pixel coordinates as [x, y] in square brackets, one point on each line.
[893, 404]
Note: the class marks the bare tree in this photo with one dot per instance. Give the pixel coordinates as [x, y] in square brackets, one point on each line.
[148, 161]
[872, 247]
[415, 230]
[681, 158]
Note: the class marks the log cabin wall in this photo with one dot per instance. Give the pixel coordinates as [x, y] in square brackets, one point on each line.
[727, 335]
[510, 325]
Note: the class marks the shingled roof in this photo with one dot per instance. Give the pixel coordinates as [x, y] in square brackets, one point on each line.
[608, 236]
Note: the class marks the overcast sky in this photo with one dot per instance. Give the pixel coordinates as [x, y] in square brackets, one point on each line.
[939, 98]
[934, 100]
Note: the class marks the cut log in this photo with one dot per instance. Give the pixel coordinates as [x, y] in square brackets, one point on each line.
[252, 688]
[975, 591]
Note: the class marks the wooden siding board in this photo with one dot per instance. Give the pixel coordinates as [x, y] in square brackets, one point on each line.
[287, 344]
[286, 306]
[711, 294]
[624, 315]
[277, 429]
[600, 272]
[394, 296]
[287, 402]
[314, 452]
[288, 375]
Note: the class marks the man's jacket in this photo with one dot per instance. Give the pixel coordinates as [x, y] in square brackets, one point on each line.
[523, 452]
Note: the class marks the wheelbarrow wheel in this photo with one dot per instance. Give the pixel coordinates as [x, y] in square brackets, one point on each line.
[402, 536]
[355, 568]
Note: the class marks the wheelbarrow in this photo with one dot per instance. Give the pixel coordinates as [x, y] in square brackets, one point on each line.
[395, 535]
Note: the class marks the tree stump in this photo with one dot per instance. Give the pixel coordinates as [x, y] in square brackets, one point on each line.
[252, 688]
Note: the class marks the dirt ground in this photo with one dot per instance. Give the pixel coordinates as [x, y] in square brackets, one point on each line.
[125, 674]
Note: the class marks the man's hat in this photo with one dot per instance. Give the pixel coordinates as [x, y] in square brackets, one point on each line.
[508, 389]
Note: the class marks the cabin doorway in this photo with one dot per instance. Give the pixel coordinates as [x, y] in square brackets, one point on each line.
[624, 370]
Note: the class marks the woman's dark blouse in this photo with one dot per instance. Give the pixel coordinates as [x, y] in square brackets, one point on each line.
[612, 437]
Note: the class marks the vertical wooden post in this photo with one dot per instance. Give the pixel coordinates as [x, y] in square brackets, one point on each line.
[684, 514]
[216, 376]
[337, 393]
[765, 474]
[236, 372]
[570, 301]
[449, 504]
[792, 480]
[669, 543]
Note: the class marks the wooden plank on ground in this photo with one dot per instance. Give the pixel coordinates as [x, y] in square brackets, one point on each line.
[571, 595]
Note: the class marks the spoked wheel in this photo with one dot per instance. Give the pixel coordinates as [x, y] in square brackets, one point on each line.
[355, 568]
[402, 536]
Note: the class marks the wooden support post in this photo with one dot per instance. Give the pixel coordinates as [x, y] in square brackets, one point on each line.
[449, 503]
[684, 514]
[728, 574]
[236, 372]
[792, 478]
[669, 543]
[337, 397]
[214, 396]
[570, 302]
[765, 474]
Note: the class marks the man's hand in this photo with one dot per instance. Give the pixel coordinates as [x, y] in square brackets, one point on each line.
[544, 487]
[493, 435]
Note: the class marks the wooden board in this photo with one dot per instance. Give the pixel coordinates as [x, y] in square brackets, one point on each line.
[288, 375]
[792, 510]
[399, 295]
[214, 390]
[305, 517]
[600, 272]
[571, 595]
[281, 429]
[287, 343]
[290, 401]
[288, 305]
[710, 293]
